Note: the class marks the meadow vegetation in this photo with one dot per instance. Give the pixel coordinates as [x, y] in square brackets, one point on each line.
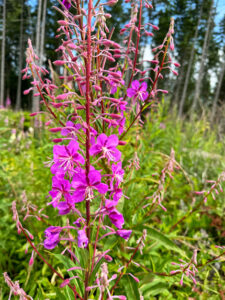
[199, 157]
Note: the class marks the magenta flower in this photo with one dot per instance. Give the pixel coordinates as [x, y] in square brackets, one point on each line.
[121, 124]
[70, 129]
[82, 238]
[65, 207]
[115, 82]
[116, 218]
[110, 204]
[138, 91]
[59, 173]
[122, 106]
[66, 157]
[107, 147]
[60, 188]
[123, 233]
[79, 222]
[117, 194]
[52, 237]
[117, 175]
[67, 3]
[84, 189]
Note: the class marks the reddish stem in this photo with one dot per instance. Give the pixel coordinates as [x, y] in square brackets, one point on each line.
[88, 74]
[212, 259]
[87, 163]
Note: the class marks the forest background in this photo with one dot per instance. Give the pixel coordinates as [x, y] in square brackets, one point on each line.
[199, 44]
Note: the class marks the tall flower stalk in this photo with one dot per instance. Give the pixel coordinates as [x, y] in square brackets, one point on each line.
[92, 111]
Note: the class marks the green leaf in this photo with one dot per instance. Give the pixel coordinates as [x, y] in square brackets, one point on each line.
[67, 263]
[59, 294]
[153, 288]
[131, 288]
[39, 295]
[110, 243]
[69, 293]
[141, 179]
[163, 240]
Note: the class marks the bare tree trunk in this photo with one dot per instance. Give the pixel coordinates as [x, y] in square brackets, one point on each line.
[202, 60]
[35, 100]
[2, 86]
[218, 88]
[18, 96]
[43, 32]
[187, 78]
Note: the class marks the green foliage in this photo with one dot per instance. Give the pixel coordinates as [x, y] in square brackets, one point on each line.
[200, 157]
[22, 175]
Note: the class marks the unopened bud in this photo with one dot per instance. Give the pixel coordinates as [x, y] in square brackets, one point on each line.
[122, 143]
[59, 62]
[33, 114]
[56, 129]
[26, 92]
[62, 23]
[65, 282]
[31, 261]
[57, 140]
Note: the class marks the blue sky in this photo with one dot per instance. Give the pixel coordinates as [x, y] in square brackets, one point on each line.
[220, 10]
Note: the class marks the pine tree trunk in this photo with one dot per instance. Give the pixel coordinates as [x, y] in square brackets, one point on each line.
[35, 100]
[2, 85]
[190, 62]
[18, 96]
[202, 61]
[42, 46]
[218, 88]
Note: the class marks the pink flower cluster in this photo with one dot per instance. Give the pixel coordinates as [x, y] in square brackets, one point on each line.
[92, 110]
[70, 185]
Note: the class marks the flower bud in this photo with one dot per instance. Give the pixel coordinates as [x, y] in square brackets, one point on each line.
[56, 129]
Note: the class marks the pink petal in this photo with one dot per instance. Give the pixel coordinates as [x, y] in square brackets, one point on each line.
[143, 87]
[101, 139]
[135, 84]
[112, 141]
[102, 188]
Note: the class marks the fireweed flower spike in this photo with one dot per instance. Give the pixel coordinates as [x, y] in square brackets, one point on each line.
[94, 106]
